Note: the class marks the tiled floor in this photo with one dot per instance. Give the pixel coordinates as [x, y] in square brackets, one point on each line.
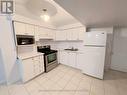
[65, 80]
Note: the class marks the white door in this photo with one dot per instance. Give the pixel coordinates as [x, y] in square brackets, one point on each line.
[94, 61]
[119, 57]
[28, 69]
[72, 59]
[97, 38]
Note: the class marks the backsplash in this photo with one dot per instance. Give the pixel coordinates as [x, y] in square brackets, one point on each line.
[60, 45]
[26, 49]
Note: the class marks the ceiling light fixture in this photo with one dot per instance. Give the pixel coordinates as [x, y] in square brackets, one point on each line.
[45, 15]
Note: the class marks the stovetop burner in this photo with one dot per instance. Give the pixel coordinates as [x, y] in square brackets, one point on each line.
[45, 49]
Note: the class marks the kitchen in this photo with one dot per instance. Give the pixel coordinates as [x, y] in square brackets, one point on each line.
[54, 59]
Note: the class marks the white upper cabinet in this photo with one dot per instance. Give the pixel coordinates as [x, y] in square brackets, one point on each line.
[30, 29]
[20, 28]
[72, 34]
[61, 35]
[36, 33]
[45, 33]
[23, 29]
[81, 33]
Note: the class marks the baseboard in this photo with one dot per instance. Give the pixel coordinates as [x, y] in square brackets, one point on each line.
[118, 69]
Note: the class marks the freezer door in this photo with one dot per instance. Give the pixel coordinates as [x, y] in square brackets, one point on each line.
[94, 58]
[96, 38]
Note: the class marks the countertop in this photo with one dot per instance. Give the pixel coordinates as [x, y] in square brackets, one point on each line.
[29, 55]
[79, 51]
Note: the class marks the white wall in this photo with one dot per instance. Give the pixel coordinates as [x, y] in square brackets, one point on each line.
[68, 26]
[8, 50]
[119, 58]
[109, 30]
[2, 69]
[63, 44]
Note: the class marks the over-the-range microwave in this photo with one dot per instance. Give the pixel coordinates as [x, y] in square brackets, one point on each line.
[25, 40]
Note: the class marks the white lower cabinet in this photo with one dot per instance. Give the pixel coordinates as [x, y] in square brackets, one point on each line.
[80, 60]
[63, 57]
[72, 59]
[28, 69]
[32, 67]
[68, 58]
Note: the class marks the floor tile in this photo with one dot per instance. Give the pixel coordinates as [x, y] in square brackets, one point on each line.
[4, 90]
[17, 90]
[81, 93]
[65, 80]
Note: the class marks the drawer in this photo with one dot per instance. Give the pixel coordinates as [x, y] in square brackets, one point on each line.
[36, 58]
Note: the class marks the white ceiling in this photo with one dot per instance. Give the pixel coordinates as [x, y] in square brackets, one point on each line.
[32, 9]
[97, 13]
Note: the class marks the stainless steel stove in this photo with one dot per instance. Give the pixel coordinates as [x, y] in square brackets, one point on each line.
[50, 57]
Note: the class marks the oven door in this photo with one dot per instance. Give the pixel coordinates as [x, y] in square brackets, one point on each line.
[50, 58]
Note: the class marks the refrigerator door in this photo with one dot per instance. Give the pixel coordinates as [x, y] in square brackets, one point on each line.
[95, 38]
[93, 64]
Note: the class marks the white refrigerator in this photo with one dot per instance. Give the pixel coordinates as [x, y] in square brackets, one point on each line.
[94, 53]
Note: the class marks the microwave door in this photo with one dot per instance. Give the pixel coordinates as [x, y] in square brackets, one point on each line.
[25, 40]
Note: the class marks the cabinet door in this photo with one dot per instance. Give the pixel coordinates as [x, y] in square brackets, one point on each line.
[36, 66]
[58, 56]
[30, 29]
[75, 33]
[69, 34]
[28, 69]
[20, 28]
[72, 59]
[81, 33]
[63, 57]
[80, 61]
[43, 33]
[51, 33]
[36, 33]
[61, 35]
[41, 64]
